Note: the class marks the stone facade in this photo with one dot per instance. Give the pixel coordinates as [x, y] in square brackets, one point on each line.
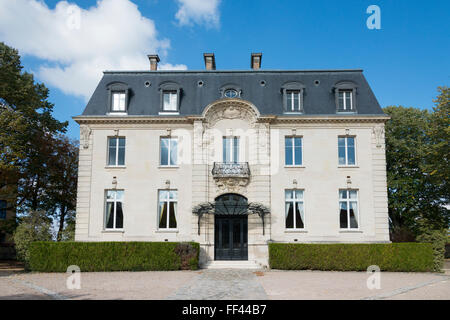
[261, 144]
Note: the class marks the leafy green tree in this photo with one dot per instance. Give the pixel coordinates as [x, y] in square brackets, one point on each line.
[417, 167]
[61, 186]
[26, 124]
[439, 151]
[34, 227]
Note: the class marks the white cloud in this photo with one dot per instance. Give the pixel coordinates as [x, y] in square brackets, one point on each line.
[79, 44]
[198, 11]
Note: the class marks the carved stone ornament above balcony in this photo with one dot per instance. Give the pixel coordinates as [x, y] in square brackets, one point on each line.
[231, 177]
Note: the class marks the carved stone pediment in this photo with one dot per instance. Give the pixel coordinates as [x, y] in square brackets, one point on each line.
[231, 109]
[232, 185]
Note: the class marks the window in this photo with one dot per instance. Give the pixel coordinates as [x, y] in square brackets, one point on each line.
[168, 152]
[348, 209]
[346, 151]
[167, 209]
[230, 149]
[295, 213]
[293, 97]
[116, 151]
[118, 101]
[114, 209]
[2, 209]
[230, 93]
[345, 100]
[170, 100]
[293, 151]
[293, 101]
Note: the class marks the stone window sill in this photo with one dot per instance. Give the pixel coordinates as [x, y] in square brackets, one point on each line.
[167, 231]
[295, 231]
[350, 231]
[168, 167]
[349, 167]
[113, 231]
[115, 167]
[295, 167]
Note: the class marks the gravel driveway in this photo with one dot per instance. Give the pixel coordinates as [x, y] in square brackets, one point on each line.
[224, 284]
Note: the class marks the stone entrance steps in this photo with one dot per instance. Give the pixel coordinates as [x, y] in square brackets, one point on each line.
[231, 264]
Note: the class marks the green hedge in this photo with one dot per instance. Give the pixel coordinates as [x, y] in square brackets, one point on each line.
[113, 256]
[352, 257]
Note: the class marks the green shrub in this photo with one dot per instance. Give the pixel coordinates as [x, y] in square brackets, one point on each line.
[437, 238]
[352, 257]
[113, 256]
[34, 227]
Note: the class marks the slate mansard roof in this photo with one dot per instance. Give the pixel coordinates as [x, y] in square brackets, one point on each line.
[318, 96]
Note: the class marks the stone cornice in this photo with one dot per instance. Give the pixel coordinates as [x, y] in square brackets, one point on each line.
[261, 119]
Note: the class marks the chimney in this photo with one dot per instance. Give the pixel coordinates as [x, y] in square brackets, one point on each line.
[210, 61]
[154, 59]
[255, 62]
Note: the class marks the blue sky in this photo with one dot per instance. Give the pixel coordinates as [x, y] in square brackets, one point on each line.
[405, 61]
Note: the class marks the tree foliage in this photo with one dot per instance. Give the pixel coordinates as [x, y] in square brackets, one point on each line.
[417, 165]
[36, 226]
[36, 159]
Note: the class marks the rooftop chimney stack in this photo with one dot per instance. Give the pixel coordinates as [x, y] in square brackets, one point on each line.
[210, 61]
[154, 59]
[255, 62]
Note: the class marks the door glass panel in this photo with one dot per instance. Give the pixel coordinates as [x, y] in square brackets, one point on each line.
[225, 234]
[236, 234]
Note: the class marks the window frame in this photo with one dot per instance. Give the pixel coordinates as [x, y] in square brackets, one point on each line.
[234, 143]
[348, 201]
[294, 201]
[293, 165]
[168, 201]
[105, 228]
[345, 94]
[291, 88]
[116, 165]
[170, 93]
[344, 87]
[118, 88]
[169, 152]
[346, 164]
[168, 87]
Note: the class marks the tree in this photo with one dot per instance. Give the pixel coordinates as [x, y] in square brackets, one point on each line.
[417, 167]
[61, 189]
[34, 227]
[439, 151]
[26, 123]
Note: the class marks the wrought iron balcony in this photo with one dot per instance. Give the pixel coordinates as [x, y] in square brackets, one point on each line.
[231, 170]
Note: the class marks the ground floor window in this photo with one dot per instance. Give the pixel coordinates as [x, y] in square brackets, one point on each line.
[167, 209]
[295, 213]
[348, 209]
[114, 209]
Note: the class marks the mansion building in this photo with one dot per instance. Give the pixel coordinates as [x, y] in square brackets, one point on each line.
[305, 148]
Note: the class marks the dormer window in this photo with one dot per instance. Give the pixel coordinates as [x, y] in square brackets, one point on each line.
[170, 101]
[293, 97]
[345, 95]
[170, 98]
[118, 98]
[293, 101]
[118, 101]
[230, 93]
[345, 100]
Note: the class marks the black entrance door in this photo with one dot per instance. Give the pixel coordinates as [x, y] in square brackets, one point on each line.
[231, 238]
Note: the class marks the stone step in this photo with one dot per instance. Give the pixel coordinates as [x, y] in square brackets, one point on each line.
[232, 264]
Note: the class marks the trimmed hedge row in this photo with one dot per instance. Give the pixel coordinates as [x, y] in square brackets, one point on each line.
[406, 257]
[113, 256]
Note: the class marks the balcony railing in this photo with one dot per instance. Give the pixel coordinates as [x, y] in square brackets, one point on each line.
[231, 170]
